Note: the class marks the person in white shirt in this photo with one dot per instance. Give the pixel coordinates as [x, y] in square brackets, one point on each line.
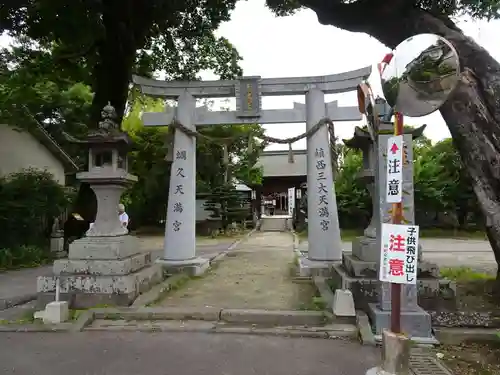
[123, 215]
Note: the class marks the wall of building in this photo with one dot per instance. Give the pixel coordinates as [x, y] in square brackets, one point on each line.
[19, 150]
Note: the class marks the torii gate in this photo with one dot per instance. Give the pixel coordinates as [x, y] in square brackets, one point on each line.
[323, 224]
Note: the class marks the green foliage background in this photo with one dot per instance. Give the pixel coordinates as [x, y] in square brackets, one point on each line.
[29, 200]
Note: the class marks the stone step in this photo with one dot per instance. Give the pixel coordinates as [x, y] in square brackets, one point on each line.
[275, 224]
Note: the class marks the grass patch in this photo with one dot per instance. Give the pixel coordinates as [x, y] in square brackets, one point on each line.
[332, 284]
[476, 291]
[465, 274]
[450, 233]
[27, 317]
[311, 299]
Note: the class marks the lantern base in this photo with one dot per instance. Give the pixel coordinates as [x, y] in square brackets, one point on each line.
[101, 270]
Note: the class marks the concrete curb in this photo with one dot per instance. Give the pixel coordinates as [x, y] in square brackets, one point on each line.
[7, 303]
[83, 321]
[456, 336]
[365, 330]
[326, 332]
[272, 317]
[239, 241]
[296, 243]
[64, 327]
[238, 321]
[152, 313]
[156, 292]
[324, 290]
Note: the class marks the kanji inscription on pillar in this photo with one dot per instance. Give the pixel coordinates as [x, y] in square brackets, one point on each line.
[323, 206]
[394, 186]
[180, 175]
[399, 254]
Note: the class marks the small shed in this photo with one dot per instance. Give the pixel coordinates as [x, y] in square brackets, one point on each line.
[33, 148]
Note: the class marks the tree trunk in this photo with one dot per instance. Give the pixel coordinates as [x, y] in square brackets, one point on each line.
[117, 51]
[472, 112]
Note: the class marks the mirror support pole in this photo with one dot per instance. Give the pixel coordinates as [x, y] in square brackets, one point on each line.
[388, 115]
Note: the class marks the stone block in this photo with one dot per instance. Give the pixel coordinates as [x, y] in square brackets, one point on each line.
[395, 353]
[409, 297]
[363, 268]
[115, 267]
[192, 267]
[104, 248]
[56, 312]
[357, 267]
[364, 290]
[343, 306]
[311, 268]
[432, 292]
[56, 244]
[84, 291]
[413, 323]
[366, 249]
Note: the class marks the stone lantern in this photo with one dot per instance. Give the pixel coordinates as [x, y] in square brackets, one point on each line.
[107, 173]
[106, 266]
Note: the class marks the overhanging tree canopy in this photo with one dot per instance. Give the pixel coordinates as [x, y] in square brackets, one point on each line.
[115, 38]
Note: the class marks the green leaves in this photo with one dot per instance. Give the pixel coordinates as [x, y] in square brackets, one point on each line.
[101, 43]
[29, 200]
[353, 199]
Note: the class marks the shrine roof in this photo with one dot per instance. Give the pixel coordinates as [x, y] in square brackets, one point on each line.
[276, 163]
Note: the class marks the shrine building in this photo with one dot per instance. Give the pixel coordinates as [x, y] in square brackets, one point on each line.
[281, 171]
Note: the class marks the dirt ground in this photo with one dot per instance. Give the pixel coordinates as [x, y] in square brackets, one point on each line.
[256, 275]
[480, 292]
[473, 358]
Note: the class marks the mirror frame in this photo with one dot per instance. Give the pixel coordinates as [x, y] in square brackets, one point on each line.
[446, 96]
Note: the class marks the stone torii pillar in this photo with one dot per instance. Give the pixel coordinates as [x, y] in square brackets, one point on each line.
[324, 233]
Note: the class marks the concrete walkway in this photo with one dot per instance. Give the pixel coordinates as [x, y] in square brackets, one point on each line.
[134, 353]
[256, 275]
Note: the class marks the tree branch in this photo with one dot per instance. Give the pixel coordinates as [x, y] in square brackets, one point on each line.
[74, 55]
[357, 16]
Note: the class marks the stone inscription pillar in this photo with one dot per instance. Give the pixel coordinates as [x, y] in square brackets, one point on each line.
[180, 238]
[323, 221]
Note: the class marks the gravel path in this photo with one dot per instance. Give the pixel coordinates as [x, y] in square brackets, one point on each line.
[256, 275]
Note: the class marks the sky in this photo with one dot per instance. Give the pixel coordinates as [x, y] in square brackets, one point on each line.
[298, 45]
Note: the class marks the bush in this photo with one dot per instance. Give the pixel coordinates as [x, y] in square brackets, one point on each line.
[29, 201]
[22, 256]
